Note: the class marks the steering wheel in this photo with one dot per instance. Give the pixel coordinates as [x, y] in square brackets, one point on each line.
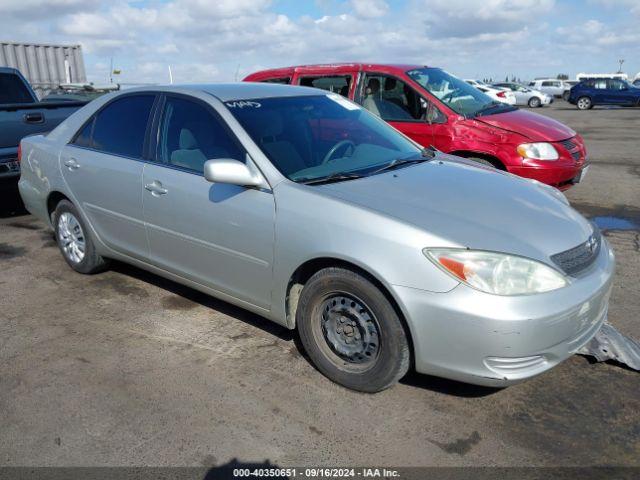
[335, 148]
[450, 94]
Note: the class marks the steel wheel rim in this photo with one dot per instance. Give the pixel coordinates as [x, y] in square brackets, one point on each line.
[349, 331]
[71, 237]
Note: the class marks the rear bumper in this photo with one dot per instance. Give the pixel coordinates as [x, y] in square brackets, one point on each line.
[491, 340]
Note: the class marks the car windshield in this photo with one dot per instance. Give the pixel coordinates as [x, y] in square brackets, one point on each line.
[457, 94]
[311, 138]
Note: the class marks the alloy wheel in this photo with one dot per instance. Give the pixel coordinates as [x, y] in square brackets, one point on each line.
[71, 237]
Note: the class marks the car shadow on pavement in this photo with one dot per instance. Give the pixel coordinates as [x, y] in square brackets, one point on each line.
[413, 378]
[203, 299]
[10, 202]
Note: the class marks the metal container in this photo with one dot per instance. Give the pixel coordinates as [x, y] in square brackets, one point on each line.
[45, 66]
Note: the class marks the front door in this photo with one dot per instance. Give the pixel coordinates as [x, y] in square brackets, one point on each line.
[218, 235]
[103, 168]
[404, 108]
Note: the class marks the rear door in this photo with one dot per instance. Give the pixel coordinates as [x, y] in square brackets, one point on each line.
[217, 235]
[103, 169]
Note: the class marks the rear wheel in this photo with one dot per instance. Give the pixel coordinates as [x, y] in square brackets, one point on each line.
[534, 102]
[584, 103]
[565, 96]
[75, 241]
[351, 331]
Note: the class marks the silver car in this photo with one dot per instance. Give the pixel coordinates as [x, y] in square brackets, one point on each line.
[526, 96]
[298, 205]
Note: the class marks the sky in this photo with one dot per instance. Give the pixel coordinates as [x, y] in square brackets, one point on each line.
[224, 40]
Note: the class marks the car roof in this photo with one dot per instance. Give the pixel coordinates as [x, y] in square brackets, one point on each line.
[8, 70]
[234, 91]
[314, 68]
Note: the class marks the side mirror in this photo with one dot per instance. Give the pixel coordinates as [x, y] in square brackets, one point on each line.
[234, 172]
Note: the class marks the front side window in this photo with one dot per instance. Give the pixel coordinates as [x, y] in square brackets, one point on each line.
[456, 94]
[547, 84]
[313, 137]
[338, 84]
[392, 99]
[617, 84]
[190, 134]
[121, 126]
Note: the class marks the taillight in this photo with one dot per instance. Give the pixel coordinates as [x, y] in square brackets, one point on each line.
[501, 95]
[19, 153]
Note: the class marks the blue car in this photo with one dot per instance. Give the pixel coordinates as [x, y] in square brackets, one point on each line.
[604, 91]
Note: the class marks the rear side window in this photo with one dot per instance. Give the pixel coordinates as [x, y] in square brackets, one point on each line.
[13, 90]
[283, 80]
[121, 126]
[339, 84]
[547, 84]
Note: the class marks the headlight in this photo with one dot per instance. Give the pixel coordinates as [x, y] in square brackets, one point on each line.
[496, 273]
[538, 151]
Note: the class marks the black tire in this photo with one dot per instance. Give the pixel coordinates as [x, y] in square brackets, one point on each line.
[90, 262]
[565, 96]
[534, 102]
[584, 103]
[322, 306]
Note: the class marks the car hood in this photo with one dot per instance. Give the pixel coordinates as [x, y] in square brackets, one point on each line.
[462, 205]
[536, 127]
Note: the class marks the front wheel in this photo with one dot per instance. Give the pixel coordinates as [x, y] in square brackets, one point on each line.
[584, 103]
[565, 96]
[351, 331]
[534, 102]
[74, 240]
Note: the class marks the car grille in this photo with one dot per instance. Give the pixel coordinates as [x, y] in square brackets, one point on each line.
[578, 258]
[571, 147]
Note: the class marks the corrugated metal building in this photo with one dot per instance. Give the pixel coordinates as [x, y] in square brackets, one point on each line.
[45, 66]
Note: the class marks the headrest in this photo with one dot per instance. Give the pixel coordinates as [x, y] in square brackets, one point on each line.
[187, 140]
[389, 83]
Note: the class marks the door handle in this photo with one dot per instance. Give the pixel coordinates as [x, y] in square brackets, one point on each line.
[71, 164]
[35, 117]
[156, 188]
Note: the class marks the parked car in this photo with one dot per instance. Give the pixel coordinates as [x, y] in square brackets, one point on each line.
[84, 92]
[604, 91]
[437, 109]
[501, 95]
[525, 95]
[550, 86]
[21, 114]
[636, 82]
[303, 207]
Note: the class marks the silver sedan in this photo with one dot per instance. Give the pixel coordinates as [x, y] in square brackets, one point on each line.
[526, 96]
[308, 210]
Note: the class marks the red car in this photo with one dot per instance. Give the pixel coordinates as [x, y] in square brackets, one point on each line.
[435, 108]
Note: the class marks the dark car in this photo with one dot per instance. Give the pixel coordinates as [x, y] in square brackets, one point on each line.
[604, 91]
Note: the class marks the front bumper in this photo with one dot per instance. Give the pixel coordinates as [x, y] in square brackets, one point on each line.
[492, 340]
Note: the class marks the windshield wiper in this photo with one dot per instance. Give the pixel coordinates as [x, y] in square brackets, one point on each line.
[334, 177]
[492, 106]
[426, 154]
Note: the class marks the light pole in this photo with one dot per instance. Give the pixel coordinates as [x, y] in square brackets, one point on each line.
[621, 61]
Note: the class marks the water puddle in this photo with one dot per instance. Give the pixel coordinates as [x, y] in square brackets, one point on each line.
[608, 222]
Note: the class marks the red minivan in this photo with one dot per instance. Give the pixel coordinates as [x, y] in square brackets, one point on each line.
[435, 108]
